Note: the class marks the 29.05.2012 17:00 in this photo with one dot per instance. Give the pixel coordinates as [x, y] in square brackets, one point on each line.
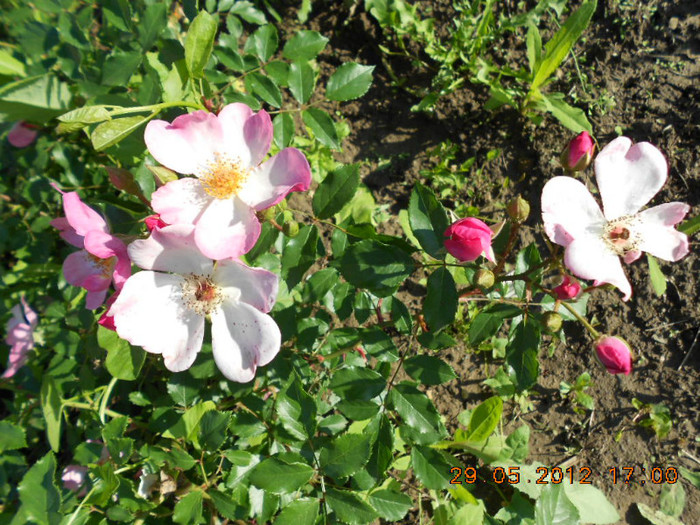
[555, 475]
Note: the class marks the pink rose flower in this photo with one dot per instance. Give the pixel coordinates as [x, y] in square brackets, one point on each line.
[225, 153]
[628, 177]
[568, 289]
[578, 153]
[103, 257]
[469, 238]
[20, 336]
[21, 135]
[74, 477]
[163, 309]
[615, 355]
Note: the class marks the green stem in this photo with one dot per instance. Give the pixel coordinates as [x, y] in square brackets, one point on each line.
[583, 320]
[105, 399]
[156, 108]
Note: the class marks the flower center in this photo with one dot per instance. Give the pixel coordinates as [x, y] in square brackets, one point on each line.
[105, 266]
[200, 294]
[222, 177]
[620, 235]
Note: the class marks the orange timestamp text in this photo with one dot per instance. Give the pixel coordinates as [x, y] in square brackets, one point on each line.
[544, 475]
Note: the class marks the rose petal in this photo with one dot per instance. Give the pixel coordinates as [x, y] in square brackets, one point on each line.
[81, 217]
[104, 245]
[170, 249]
[80, 269]
[227, 228]
[658, 237]
[67, 233]
[180, 201]
[628, 176]
[569, 210]
[95, 298]
[21, 136]
[187, 144]
[255, 286]
[285, 172]
[239, 144]
[150, 312]
[589, 258]
[243, 338]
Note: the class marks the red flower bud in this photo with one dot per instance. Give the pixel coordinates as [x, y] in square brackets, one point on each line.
[568, 289]
[615, 355]
[578, 153]
[469, 238]
[154, 222]
[21, 135]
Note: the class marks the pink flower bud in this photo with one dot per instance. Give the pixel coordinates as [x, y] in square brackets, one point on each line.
[615, 355]
[21, 135]
[73, 477]
[154, 222]
[578, 153]
[469, 238]
[568, 289]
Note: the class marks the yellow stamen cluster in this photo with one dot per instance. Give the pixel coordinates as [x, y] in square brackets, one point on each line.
[222, 177]
[621, 236]
[105, 265]
[200, 294]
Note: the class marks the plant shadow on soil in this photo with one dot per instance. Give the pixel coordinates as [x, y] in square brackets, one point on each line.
[647, 60]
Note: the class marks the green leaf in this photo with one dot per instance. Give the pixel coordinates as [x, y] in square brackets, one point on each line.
[350, 81]
[554, 508]
[691, 226]
[416, 409]
[51, 406]
[263, 42]
[591, 503]
[485, 419]
[38, 494]
[37, 98]
[283, 130]
[299, 254]
[432, 467]
[656, 517]
[348, 507]
[672, 499]
[521, 354]
[118, 14]
[212, 429]
[302, 81]
[297, 410]
[428, 220]
[247, 11]
[570, 117]
[199, 43]
[322, 126]
[658, 279]
[10, 66]
[189, 509]
[305, 45]
[265, 88]
[155, 19]
[429, 370]
[278, 477]
[336, 190]
[345, 455]
[692, 477]
[119, 67]
[377, 267]
[113, 131]
[12, 437]
[489, 320]
[83, 116]
[534, 47]
[559, 46]
[391, 506]
[440, 305]
[225, 505]
[357, 383]
[303, 511]
[123, 360]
